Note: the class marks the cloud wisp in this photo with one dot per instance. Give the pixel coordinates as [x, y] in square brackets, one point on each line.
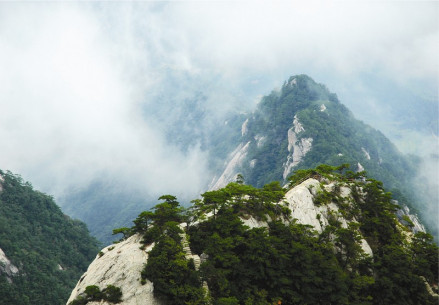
[68, 115]
[83, 84]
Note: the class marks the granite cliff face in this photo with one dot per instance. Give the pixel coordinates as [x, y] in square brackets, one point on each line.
[7, 267]
[119, 265]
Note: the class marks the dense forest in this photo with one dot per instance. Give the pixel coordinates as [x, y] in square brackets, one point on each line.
[49, 249]
[284, 261]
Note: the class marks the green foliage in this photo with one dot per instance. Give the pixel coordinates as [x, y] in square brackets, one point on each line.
[287, 262]
[323, 197]
[167, 211]
[175, 279]
[126, 232]
[112, 294]
[338, 138]
[152, 223]
[425, 256]
[245, 200]
[143, 221]
[293, 264]
[93, 293]
[227, 301]
[37, 237]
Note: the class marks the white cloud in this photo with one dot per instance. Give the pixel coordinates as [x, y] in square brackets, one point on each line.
[68, 115]
[77, 77]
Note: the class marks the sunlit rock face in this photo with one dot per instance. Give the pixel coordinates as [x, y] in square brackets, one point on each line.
[297, 148]
[301, 201]
[405, 215]
[120, 265]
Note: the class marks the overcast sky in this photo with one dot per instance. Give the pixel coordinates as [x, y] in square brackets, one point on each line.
[76, 78]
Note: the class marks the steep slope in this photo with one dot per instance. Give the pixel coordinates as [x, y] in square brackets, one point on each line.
[119, 265]
[117, 206]
[303, 125]
[330, 237]
[42, 251]
[298, 126]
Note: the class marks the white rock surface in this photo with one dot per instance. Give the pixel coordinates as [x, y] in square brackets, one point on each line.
[366, 248]
[322, 107]
[259, 140]
[120, 266]
[366, 153]
[298, 127]
[7, 267]
[237, 157]
[298, 149]
[244, 128]
[405, 211]
[301, 203]
[253, 222]
[1, 180]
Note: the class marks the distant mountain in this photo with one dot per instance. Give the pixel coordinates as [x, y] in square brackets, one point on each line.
[301, 126]
[42, 251]
[103, 206]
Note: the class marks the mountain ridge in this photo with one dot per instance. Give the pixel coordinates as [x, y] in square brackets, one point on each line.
[302, 125]
[259, 245]
[42, 250]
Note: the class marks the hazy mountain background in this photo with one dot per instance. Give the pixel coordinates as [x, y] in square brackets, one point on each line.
[109, 102]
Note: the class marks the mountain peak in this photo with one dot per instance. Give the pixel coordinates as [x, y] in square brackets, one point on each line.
[303, 84]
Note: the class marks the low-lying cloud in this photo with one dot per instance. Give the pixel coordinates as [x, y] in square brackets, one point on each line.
[68, 115]
[83, 83]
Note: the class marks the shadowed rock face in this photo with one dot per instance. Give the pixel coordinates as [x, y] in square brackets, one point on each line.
[120, 265]
[7, 267]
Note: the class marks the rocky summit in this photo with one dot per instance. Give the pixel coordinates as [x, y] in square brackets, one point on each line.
[329, 236]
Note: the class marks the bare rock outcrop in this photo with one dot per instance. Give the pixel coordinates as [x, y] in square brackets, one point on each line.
[120, 265]
[301, 201]
[7, 267]
[229, 174]
[297, 148]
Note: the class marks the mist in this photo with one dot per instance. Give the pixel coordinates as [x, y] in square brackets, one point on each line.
[88, 89]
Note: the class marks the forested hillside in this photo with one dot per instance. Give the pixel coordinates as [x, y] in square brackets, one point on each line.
[302, 125]
[44, 251]
[330, 237]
